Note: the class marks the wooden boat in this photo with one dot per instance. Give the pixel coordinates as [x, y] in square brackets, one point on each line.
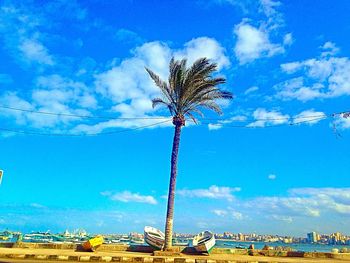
[204, 241]
[154, 237]
[180, 242]
[1, 173]
[93, 243]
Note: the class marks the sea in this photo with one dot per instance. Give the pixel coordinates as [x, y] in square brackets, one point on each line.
[259, 245]
[295, 246]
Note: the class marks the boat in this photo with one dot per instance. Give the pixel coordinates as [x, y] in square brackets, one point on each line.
[10, 237]
[240, 246]
[93, 243]
[180, 242]
[38, 237]
[204, 242]
[154, 237]
[137, 241]
[1, 173]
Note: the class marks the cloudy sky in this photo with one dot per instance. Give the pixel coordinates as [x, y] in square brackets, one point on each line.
[276, 162]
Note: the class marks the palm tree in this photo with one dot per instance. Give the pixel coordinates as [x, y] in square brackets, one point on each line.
[186, 92]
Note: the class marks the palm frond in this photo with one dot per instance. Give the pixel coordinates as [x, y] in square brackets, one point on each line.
[189, 114]
[211, 105]
[189, 89]
[160, 83]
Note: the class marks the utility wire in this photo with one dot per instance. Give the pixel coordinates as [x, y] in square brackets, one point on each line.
[223, 125]
[154, 118]
[81, 135]
[304, 119]
[157, 123]
[82, 116]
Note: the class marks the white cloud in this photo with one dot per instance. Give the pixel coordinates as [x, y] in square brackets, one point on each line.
[309, 117]
[123, 123]
[229, 212]
[127, 196]
[286, 219]
[300, 203]
[295, 89]
[128, 36]
[319, 78]
[342, 122]
[33, 50]
[122, 84]
[237, 215]
[268, 118]
[52, 93]
[36, 205]
[214, 126]
[220, 124]
[288, 39]
[329, 49]
[204, 47]
[21, 33]
[253, 43]
[130, 81]
[130, 87]
[271, 176]
[219, 212]
[269, 7]
[251, 90]
[214, 192]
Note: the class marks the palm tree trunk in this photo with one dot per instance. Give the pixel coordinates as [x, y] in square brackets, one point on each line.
[172, 185]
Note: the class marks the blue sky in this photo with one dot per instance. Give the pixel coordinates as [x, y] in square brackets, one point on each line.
[285, 61]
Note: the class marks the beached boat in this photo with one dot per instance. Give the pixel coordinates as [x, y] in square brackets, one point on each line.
[93, 243]
[204, 241]
[137, 241]
[180, 242]
[154, 237]
[39, 237]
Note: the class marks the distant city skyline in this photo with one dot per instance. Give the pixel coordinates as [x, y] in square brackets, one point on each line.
[276, 162]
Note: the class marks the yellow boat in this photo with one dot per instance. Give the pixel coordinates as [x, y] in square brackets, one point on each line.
[93, 243]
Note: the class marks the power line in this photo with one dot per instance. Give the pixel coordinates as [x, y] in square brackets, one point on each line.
[225, 125]
[345, 114]
[82, 116]
[81, 135]
[221, 122]
[154, 118]
[157, 123]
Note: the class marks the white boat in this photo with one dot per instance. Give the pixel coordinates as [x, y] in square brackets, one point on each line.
[204, 241]
[154, 237]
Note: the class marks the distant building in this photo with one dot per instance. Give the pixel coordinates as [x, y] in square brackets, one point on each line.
[241, 237]
[312, 237]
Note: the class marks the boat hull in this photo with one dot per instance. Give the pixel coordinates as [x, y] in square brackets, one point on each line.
[93, 243]
[204, 242]
[154, 237]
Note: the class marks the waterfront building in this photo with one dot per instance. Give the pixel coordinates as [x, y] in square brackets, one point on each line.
[312, 237]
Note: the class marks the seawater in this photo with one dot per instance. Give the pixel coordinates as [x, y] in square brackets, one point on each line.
[295, 246]
[260, 245]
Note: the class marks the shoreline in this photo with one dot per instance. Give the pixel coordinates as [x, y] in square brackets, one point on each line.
[123, 254]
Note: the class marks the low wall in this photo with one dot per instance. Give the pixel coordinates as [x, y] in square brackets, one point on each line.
[185, 250]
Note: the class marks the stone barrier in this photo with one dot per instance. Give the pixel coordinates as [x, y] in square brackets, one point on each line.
[158, 257]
